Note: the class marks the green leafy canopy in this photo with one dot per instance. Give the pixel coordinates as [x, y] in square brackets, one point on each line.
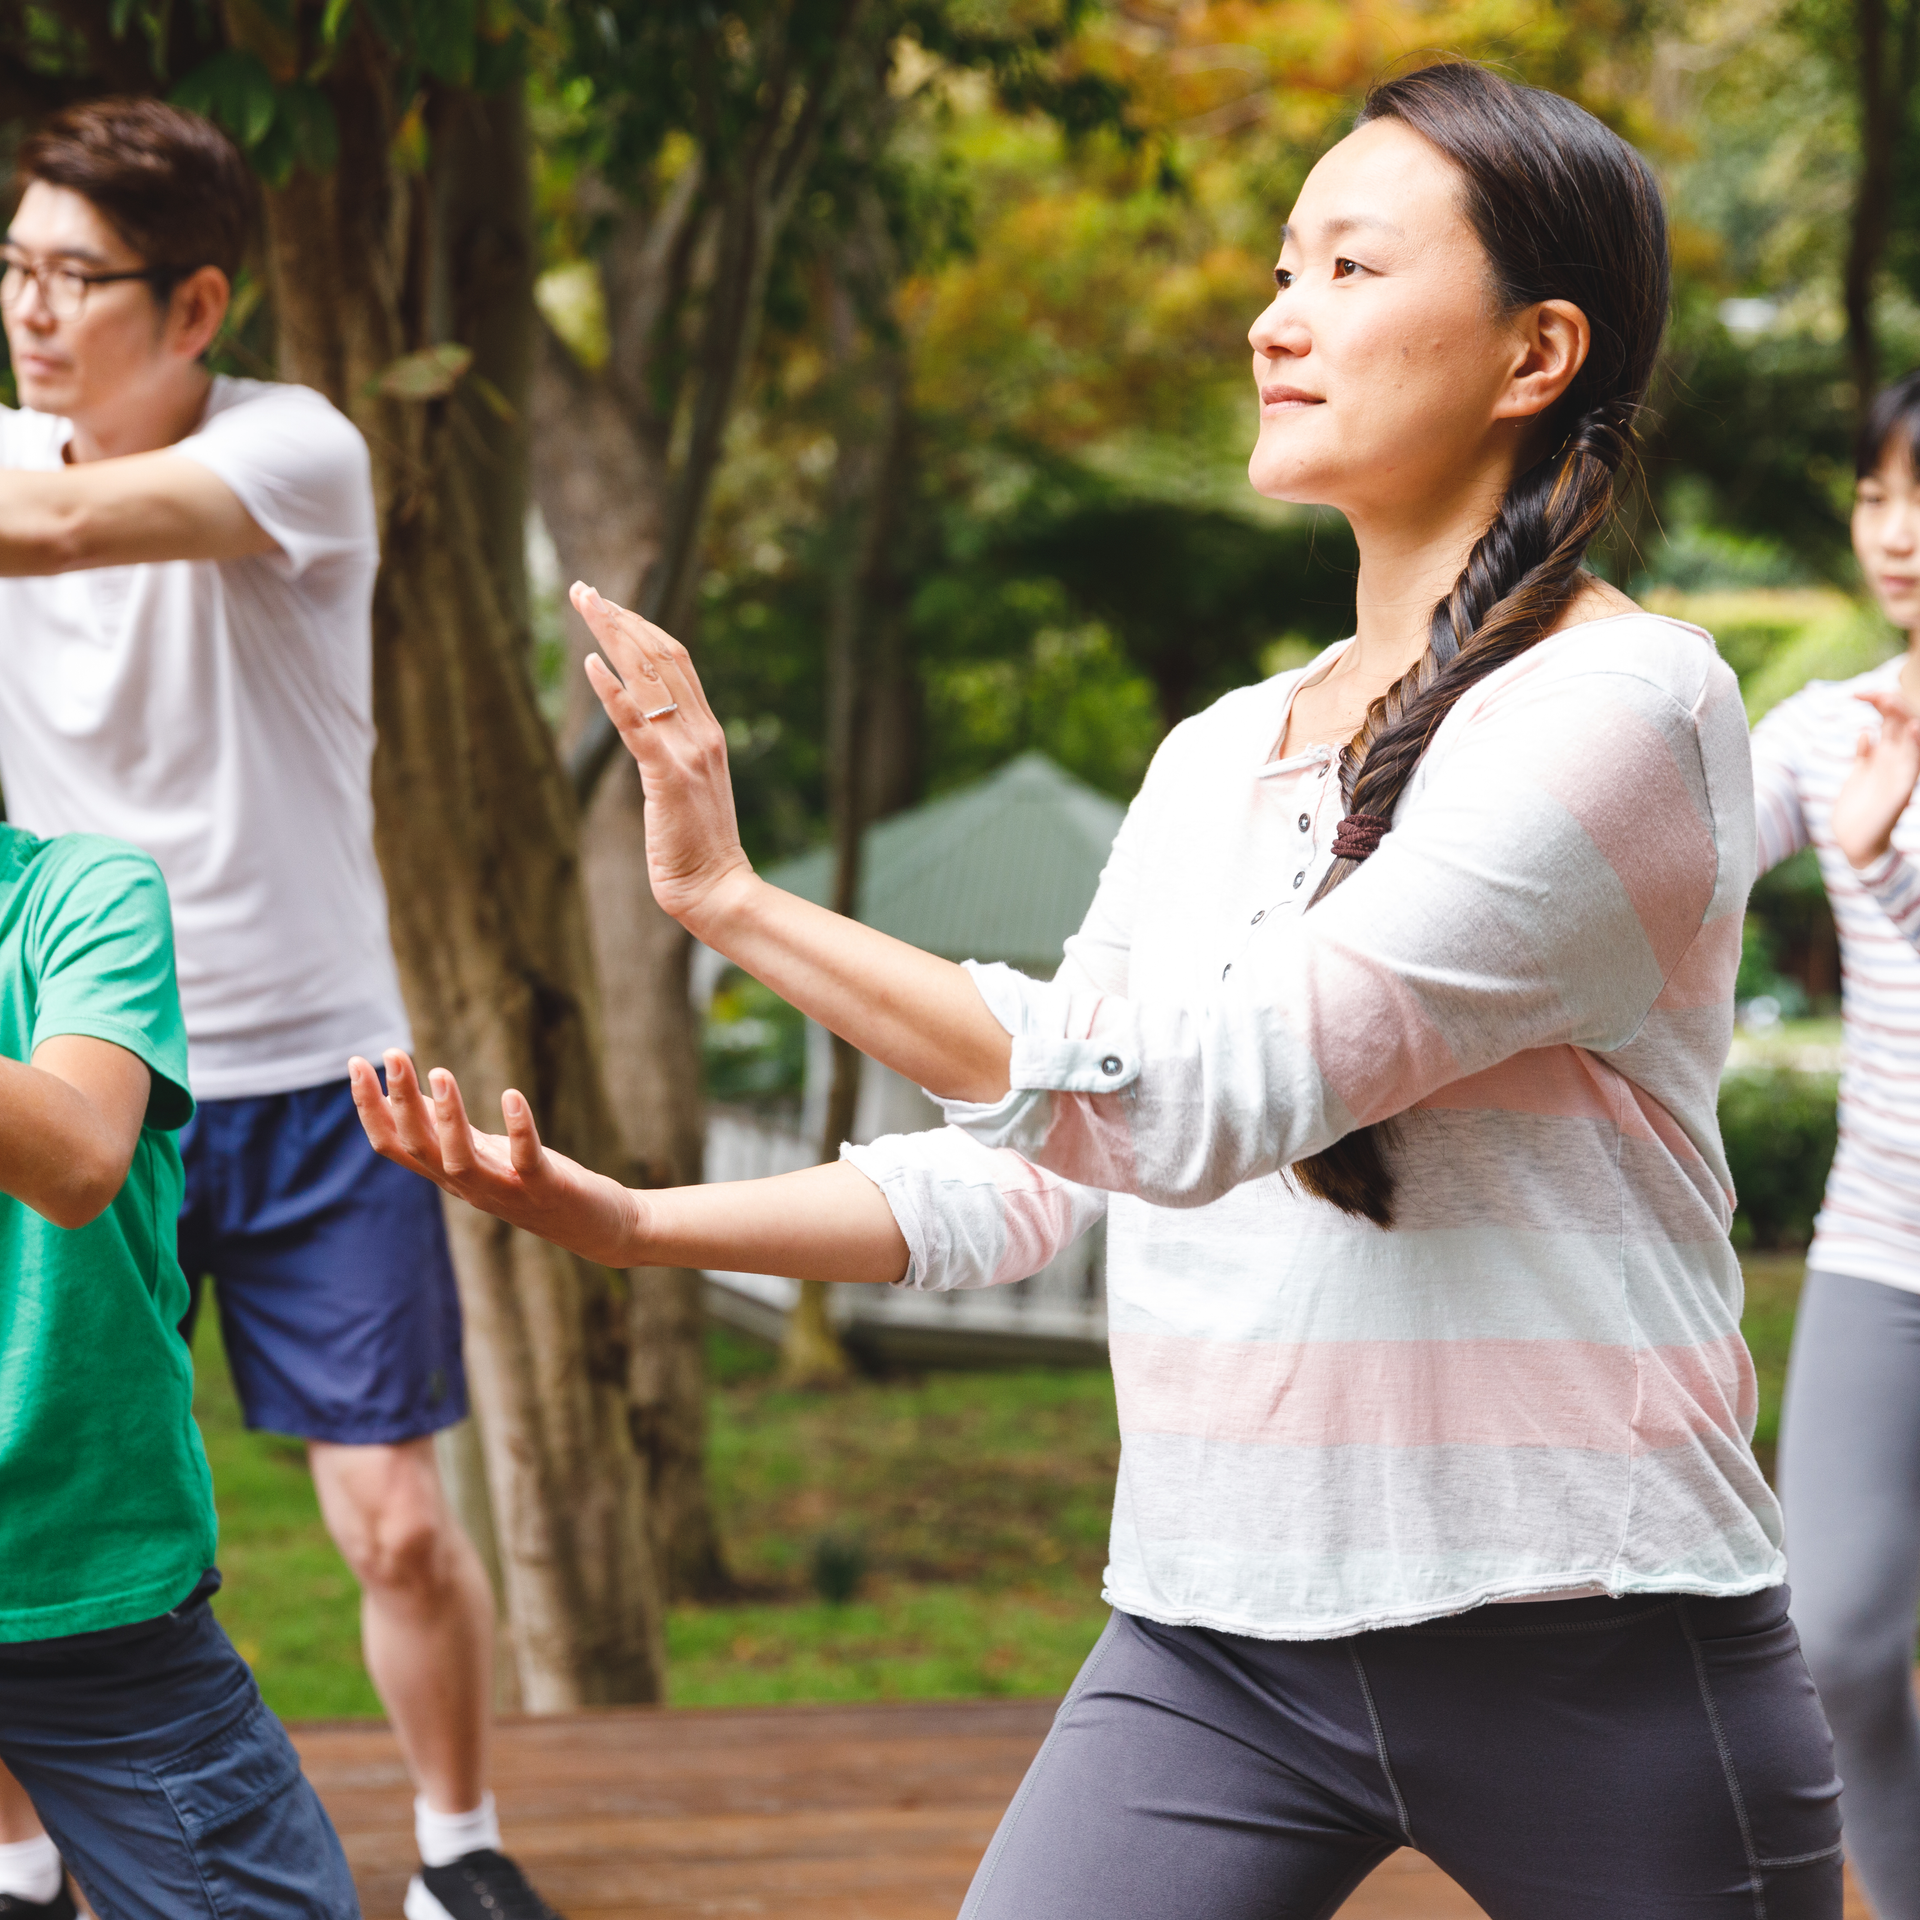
[268, 86]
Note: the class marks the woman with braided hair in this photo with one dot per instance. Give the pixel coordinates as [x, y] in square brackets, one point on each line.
[1390, 1048]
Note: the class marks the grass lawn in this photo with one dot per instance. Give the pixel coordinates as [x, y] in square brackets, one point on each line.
[1773, 1291]
[967, 1510]
[289, 1602]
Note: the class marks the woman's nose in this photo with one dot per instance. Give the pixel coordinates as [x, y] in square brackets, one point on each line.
[1276, 331]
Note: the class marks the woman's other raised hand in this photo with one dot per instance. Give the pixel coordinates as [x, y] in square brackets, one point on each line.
[655, 701]
[1886, 766]
[511, 1175]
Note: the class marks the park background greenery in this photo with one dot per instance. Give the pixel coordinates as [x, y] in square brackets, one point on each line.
[1033, 245]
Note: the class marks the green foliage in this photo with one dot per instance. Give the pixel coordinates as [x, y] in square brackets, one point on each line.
[266, 85]
[839, 1566]
[1791, 903]
[644, 72]
[1780, 1128]
[1193, 594]
[1762, 429]
[1829, 650]
[754, 1046]
[1760, 977]
[1773, 1294]
[1059, 687]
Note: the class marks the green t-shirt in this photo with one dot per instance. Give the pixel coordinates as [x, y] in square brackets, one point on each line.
[106, 1506]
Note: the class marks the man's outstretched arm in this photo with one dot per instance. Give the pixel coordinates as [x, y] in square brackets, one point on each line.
[120, 512]
[69, 1124]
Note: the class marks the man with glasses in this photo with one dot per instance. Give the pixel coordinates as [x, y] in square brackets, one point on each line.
[186, 575]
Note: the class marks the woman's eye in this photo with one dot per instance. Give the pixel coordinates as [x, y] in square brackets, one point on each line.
[1345, 269]
[1282, 279]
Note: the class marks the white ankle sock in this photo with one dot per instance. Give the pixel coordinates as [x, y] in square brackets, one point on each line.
[31, 1868]
[444, 1837]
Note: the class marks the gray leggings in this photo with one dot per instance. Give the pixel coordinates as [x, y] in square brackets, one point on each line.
[1562, 1760]
[1850, 1481]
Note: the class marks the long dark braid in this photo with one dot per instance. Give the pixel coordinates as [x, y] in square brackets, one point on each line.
[1565, 210]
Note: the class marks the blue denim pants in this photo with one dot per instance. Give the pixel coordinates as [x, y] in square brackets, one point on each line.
[170, 1790]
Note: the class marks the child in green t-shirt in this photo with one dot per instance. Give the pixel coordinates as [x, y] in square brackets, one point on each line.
[125, 1713]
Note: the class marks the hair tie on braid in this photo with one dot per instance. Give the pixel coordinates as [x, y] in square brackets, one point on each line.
[1358, 835]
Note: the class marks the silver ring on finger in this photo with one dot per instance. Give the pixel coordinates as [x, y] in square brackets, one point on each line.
[660, 713]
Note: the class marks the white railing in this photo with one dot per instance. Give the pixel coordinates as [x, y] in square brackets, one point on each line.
[1061, 1312]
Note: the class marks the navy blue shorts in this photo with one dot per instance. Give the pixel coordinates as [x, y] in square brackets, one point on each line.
[169, 1788]
[330, 1265]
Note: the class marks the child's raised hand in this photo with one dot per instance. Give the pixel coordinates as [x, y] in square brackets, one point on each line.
[1879, 786]
[511, 1176]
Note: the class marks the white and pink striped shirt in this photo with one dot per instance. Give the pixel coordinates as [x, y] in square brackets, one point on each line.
[1535, 1382]
[1869, 1225]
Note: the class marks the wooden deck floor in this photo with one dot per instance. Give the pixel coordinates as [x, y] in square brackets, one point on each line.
[810, 1813]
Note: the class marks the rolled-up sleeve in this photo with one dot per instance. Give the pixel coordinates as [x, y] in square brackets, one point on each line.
[1553, 871]
[973, 1216]
[980, 1216]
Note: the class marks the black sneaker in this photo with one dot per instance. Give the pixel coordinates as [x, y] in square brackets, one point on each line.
[483, 1885]
[60, 1907]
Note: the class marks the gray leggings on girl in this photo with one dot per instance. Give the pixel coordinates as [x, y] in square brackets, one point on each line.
[1657, 1756]
[1850, 1481]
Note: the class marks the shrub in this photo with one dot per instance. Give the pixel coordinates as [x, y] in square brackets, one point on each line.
[1780, 1128]
[839, 1565]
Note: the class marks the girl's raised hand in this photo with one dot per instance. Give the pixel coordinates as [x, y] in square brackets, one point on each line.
[1886, 767]
[511, 1176]
[654, 699]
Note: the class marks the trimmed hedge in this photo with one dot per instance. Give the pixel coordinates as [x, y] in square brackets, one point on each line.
[1780, 1128]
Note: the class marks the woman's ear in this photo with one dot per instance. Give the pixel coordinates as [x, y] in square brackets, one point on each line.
[1551, 344]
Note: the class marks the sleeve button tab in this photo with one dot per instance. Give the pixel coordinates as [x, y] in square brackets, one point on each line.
[1111, 1064]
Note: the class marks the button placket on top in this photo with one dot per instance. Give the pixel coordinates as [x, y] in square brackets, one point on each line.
[1302, 848]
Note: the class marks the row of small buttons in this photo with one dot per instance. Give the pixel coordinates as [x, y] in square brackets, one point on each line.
[1299, 879]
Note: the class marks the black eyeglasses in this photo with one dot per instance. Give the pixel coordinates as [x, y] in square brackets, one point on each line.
[65, 289]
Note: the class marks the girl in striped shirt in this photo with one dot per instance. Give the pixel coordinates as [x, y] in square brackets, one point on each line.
[1389, 1047]
[1827, 776]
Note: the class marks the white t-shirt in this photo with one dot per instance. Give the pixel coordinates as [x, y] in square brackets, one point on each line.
[220, 716]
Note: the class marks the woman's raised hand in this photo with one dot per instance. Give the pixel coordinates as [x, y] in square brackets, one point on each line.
[510, 1175]
[1879, 787]
[654, 698]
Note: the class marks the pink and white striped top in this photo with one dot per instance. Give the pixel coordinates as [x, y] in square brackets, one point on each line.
[1869, 1225]
[1535, 1383]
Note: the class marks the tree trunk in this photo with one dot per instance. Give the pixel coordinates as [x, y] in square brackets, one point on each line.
[1887, 66]
[477, 838]
[481, 295]
[462, 1458]
[869, 485]
[601, 488]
